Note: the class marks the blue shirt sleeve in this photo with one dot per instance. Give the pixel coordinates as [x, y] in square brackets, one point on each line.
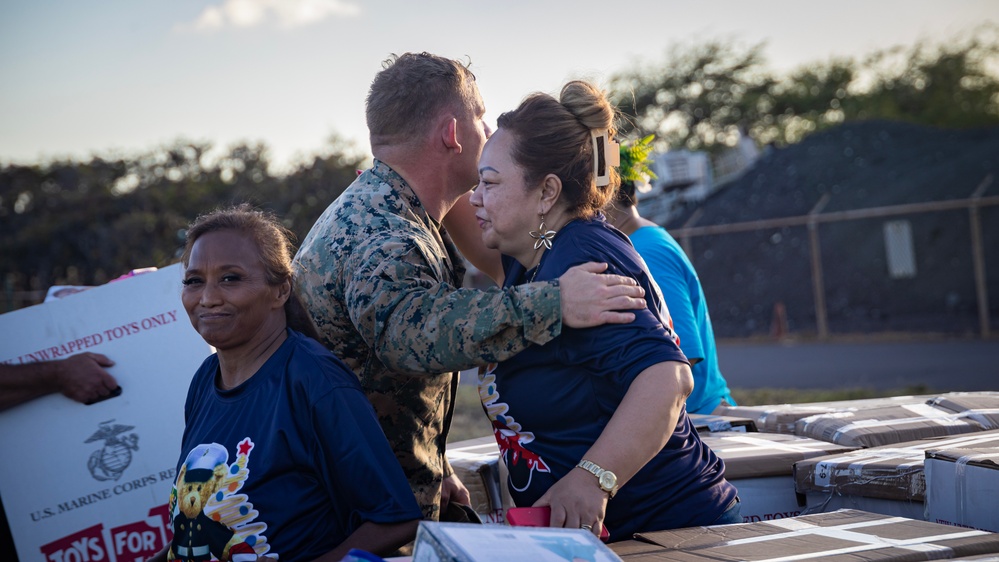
[356, 462]
[615, 350]
[670, 272]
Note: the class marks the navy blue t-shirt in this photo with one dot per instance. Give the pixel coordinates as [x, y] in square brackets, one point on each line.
[294, 459]
[550, 403]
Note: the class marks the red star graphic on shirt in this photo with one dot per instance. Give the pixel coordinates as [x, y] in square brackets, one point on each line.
[245, 446]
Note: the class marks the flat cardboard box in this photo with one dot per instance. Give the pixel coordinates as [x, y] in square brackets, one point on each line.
[780, 418]
[982, 407]
[760, 465]
[476, 462]
[756, 455]
[894, 472]
[840, 536]
[875, 427]
[962, 487]
[708, 423]
[824, 502]
[465, 542]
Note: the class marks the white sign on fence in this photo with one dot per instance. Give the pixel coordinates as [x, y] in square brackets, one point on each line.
[91, 483]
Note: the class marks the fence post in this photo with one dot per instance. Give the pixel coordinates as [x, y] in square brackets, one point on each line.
[818, 285]
[685, 239]
[978, 258]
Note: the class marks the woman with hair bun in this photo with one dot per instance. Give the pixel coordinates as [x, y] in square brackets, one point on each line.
[592, 423]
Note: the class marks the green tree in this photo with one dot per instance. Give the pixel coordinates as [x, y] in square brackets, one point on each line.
[698, 98]
[704, 96]
[85, 223]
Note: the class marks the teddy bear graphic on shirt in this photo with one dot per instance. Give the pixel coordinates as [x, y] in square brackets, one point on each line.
[211, 521]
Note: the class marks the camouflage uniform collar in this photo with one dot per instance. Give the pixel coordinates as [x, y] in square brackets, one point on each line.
[408, 201]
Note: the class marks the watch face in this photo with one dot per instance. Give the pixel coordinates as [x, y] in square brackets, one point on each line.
[608, 480]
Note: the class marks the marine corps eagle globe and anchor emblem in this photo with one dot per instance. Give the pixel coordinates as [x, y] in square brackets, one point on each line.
[111, 460]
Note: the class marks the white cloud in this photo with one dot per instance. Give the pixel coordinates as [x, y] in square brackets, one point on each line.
[284, 13]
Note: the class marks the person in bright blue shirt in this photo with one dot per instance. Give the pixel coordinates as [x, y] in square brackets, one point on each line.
[592, 423]
[677, 279]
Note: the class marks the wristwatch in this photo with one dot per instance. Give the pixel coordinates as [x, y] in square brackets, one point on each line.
[606, 478]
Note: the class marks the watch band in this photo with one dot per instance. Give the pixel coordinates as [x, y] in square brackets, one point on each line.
[606, 479]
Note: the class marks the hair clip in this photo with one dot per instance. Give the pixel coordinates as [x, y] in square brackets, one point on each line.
[606, 155]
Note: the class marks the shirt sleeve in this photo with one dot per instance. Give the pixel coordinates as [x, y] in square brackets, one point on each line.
[670, 273]
[356, 462]
[417, 324]
[617, 350]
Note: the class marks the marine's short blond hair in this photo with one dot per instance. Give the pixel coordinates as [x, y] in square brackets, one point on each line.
[412, 90]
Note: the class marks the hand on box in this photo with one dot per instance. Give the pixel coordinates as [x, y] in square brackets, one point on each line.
[452, 490]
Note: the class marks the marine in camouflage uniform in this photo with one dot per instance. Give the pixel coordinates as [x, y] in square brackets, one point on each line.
[382, 282]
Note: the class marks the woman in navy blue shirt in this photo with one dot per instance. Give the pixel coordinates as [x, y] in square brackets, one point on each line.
[282, 456]
[592, 423]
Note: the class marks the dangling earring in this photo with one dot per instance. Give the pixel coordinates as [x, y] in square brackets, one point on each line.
[542, 236]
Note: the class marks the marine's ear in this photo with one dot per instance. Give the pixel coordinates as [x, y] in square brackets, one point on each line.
[449, 134]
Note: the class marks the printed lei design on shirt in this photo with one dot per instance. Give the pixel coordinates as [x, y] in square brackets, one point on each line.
[510, 436]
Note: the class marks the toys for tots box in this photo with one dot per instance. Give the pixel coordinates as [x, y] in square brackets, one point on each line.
[962, 487]
[760, 466]
[840, 536]
[888, 480]
[91, 483]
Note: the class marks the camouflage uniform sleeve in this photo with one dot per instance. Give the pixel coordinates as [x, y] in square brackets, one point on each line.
[417, 325]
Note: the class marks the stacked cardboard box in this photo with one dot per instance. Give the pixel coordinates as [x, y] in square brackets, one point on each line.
[781, 418]
[962, 487]
[888, 480]
[760, 465]
[844, 535]
[981, 407]
[476, 462]
[948, 414]
[707, 423]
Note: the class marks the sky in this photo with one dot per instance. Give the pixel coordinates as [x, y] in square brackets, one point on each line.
[101, 77]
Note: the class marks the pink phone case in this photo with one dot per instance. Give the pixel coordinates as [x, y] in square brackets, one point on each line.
[537, 517]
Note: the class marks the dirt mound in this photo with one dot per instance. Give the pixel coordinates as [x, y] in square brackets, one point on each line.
[859, 166]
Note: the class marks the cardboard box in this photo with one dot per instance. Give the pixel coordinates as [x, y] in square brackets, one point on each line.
[476, 462]
[845, 535]
[707, 423]
[875, 427]
[464, 542]
[760, 465]
[824, 502]
[79, 481]
[962, 487]
[780, 418]
[893, 473]
[982, 407]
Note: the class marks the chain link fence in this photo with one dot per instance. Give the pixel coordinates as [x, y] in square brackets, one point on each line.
[914, 268]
